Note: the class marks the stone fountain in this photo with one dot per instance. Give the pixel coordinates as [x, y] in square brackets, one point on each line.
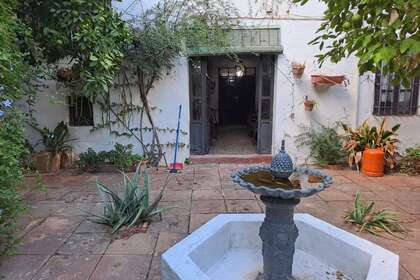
[280, 196]
[293, 246]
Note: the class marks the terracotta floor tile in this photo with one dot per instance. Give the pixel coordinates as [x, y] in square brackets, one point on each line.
[12, 267]
[138, 244]
[56, 224]
[208, 206]
[243, 206]
[122, 268]
[68, 268]
[410, 260]
[206, 194]
[237, 194]
[86, 244]
[38, 243]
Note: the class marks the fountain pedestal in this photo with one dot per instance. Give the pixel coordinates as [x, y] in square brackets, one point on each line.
[278, 233]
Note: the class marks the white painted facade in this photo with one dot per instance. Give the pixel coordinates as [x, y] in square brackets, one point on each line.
[351, 104]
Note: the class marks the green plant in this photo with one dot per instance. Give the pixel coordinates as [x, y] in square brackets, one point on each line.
[324, 143]
[90, 160]
[410, 162]
[383, 35]
[365, 136]
[367, 219]
[121, 156]
[132, 207]
[57, 140]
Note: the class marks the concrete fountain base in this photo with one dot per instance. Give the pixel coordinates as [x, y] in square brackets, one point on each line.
[228, 248]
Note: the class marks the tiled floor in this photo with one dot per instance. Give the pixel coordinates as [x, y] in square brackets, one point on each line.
[58, 243]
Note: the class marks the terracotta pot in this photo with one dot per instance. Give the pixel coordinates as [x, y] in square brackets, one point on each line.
[55, 162]
[42, 162]
[327, 80]
[67, 159]
[373, 162]
[309, 105]
[297, 71]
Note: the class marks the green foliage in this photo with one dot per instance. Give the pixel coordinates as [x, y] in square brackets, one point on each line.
[325, 145]
[383, 35]
[89, 33]
[55, 141]
[121, 156]
[357, 140]
[367, 219]
[12, 148]
[410, 162]
[132, 207]
[15, 74]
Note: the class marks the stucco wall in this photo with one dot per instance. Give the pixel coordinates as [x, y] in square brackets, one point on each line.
[351, 104]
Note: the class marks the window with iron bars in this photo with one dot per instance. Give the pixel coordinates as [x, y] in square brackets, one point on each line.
[395, 100]
[80, 111]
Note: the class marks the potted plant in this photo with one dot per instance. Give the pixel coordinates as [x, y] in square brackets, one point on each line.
[372, 147]
[55, 143]
[325, 80]
[325, 146]
[298, 69]
[309, 104]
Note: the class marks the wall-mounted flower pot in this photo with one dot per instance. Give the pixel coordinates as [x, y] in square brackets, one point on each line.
[309, 105]
[324, 80]
[373, 162]
[297, 70]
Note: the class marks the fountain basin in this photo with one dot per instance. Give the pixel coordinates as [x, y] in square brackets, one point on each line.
[228, 247]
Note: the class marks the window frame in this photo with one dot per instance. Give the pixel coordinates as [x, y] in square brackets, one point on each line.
[75, 121]
[395, 109]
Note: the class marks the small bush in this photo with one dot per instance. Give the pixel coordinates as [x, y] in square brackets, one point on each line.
[132, 207]
[121, 156]
[324, 143]
[410, 162]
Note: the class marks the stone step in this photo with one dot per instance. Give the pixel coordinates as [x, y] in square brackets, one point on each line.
[231, 159]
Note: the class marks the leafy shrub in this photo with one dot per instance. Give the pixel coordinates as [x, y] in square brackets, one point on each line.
[325, 145]
[121, 156]
[367, 219]
[132, 207]
[89, 161]
[410, 162]
[365, 136]
[12, 148]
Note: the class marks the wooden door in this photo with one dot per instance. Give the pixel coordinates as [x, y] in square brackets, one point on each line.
[265, 91]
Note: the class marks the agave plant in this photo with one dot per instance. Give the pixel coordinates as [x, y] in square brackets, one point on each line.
[132, 207]
[357, 140]
[367, 219]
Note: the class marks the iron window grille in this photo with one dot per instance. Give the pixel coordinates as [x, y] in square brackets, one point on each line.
[80, 111]
[395, 100]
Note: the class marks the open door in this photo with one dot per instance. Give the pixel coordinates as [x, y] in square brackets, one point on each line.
[265, 91]
[200, 128]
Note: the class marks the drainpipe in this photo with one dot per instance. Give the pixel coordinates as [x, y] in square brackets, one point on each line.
[357, 101]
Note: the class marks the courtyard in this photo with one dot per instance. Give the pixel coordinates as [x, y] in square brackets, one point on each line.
[57, 242]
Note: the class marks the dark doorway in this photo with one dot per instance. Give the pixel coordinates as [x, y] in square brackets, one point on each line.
[237, 126]
[236, 96]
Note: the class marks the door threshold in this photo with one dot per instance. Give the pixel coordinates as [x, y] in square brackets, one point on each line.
[234, 159]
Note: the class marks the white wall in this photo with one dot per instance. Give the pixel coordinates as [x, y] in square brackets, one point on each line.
[166, 97]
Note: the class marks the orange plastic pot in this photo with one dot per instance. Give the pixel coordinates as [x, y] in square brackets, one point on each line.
[373, 162]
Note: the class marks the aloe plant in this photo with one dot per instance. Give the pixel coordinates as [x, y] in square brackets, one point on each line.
[367, 219]
[365, 136]
[130, 208]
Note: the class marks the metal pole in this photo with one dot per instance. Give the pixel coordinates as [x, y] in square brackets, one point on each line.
[173, 170]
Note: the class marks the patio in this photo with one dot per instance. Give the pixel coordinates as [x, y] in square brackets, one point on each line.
[58, 243]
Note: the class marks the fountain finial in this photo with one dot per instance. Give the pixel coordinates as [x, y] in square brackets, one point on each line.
[282, 164]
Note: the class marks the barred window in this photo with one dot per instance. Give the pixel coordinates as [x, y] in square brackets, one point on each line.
[395, 100]
[80, 111]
